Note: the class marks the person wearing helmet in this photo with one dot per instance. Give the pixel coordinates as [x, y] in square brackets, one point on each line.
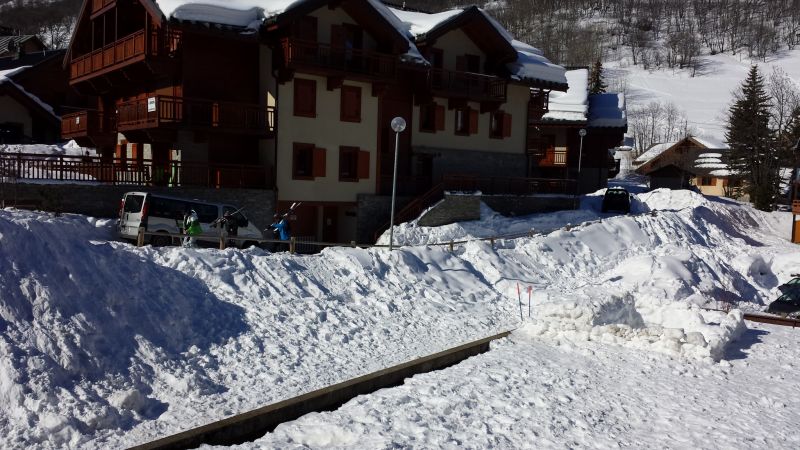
[191, 227]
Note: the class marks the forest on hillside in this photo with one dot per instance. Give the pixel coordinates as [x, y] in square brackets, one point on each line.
[51, 20]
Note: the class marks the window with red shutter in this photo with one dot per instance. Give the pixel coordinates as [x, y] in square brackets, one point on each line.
[363, 164]
[427, 118]
[319, 162]
[303, 161]
[350, 110]
[348, 163]
[439, 118]
[506, 125]
[473, 121]
[462, 121]
[305, 97]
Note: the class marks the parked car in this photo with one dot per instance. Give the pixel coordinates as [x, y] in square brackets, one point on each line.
[616, 199]
[786, 305]
[791, 285]
[161, 213]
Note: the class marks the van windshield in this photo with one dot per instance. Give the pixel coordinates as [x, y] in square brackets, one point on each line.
[133, 203]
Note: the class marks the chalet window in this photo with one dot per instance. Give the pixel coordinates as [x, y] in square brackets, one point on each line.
[462, 121]
[305, 98]
[350, 110]
[431, 118]
[353, 164]
[466, 121]
[707, 181]
[500, 125]
[308, 162]
[348, 163]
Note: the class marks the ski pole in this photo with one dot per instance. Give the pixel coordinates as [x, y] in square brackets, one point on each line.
[519, 297]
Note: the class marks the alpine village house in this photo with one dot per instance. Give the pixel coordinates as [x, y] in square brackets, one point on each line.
[296, 98]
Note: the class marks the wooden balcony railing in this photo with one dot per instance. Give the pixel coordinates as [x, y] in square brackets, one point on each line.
[127, 50]
[169, 111]
[98, 5]
[143, 172]
[550, 158]
[508, 185]
[339, 60]
[85, 123]
[472, 86]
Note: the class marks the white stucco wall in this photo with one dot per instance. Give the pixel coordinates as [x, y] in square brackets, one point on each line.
[516, 105]
[326, 131]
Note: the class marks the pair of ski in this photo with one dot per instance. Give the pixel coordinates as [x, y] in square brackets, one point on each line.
[287, 213]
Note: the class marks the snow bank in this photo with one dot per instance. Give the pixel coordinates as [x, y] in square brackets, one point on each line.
[678, 329]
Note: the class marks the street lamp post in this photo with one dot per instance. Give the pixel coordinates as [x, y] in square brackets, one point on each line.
[581, 133]
[398, 125]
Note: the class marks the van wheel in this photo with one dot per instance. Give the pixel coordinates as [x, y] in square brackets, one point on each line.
[160, 241]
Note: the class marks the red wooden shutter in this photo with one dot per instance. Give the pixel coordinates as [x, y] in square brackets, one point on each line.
[506, 125]
[461, 63]
[135, 151]
[439, 118]
[350, 104]
[120, 151]
[363, 164]
[473, 121]
[319, 163]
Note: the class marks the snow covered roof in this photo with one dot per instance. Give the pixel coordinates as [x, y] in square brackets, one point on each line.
[710, 143]
[607, 110]
[238, 13]
[5, 79]
[653, 151]
[570, 106]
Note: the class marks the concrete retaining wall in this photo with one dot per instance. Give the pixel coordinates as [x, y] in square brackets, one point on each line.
[103, 200]
[454, 208]
[463, 207]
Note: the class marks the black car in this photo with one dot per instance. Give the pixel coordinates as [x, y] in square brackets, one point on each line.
[616, 199]
[786, 305]
[791, 285]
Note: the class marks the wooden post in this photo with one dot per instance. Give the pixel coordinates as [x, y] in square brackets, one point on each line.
[491, 240]
[451, 246]
[221, 243]
[140, 238]
[291, 245]
[353, 244]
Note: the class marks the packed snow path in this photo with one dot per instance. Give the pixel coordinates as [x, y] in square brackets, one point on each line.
[105, 345]
[542, 393]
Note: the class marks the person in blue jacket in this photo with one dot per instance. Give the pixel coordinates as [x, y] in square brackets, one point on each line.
[280, 230]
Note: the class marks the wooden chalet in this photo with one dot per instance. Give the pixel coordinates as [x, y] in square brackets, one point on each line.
[301, 103]
[24, 118]
[691, 161]
[166, 93]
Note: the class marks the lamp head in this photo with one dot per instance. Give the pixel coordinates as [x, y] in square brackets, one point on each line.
[582, 132]
[398, 124]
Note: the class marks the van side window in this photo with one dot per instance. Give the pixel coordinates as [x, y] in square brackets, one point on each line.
[166, 207]
[133, 203]
[206, 213]
[241, 220]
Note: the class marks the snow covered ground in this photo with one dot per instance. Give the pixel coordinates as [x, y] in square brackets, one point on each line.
[105, 345]
[705, 97]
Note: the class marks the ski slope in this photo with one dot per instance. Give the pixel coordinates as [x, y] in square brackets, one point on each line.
[105, 345]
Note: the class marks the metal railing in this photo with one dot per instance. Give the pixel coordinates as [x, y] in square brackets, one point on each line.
[339, 59]
[508, 185]
[125, 51]
[163, 110]
[141, 172]
[475, 86]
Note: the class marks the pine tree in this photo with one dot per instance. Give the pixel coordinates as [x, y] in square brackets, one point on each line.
[596, 84]
[753, 155]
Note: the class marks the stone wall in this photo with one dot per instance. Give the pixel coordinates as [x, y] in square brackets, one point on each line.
[472, 162]
[103, 200]
[373, 212]
[454, 208]
[515, 205]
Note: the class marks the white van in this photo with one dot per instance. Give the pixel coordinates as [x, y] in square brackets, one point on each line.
[162, 213]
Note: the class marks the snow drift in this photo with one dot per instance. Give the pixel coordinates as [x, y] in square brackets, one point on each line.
[104, 345]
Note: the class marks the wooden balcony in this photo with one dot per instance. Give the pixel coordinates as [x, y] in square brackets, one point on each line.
[178, 112]
[89, 128]
[550, 158]
[131, 49]
[99, 6]
[467, 85]
[338, 61]
[142, 172]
